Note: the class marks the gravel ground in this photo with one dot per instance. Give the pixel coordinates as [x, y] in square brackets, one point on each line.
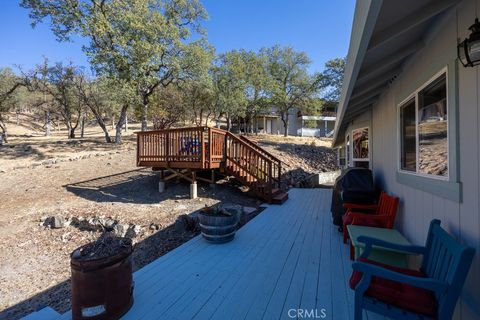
[34, 268]
[301, 157]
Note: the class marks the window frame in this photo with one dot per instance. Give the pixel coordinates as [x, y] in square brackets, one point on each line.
[341, 150]
[369, 145]
[348, 150]
[414, 95]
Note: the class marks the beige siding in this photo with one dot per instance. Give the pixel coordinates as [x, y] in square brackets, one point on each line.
[419, 207]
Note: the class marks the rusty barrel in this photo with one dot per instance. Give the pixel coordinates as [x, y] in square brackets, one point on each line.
[102, 288]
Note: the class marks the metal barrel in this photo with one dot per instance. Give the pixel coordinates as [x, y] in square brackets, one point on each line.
[102, 288]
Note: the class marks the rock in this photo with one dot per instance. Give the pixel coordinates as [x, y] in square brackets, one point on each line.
[109, 223]
[55, 222]
[186, 223]
[133, 231]
[48, 162]
[120, 230]
[180, 224]
[154, 227]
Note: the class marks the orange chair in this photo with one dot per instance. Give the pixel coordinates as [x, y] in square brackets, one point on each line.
[380, 215]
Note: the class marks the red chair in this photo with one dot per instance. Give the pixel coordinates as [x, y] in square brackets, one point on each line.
[380, 215]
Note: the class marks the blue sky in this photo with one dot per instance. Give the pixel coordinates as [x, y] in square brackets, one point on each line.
[321, 28]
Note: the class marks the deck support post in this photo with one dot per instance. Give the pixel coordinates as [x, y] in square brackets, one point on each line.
[193, 186]
[193, 190]
[161, 183]
[161, 186]
[213, 185]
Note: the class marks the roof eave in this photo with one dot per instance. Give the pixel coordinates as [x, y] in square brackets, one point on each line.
[365, 18]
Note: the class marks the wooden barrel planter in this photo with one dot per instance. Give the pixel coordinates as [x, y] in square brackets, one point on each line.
[102, 286]
[218, 227]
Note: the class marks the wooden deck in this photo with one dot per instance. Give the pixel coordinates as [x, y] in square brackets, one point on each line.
[288, 257]
[184, 151]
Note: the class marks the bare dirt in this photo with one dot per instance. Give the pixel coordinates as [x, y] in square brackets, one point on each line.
[85, 179]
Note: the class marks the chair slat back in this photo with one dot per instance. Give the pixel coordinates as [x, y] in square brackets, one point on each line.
[388, 205]
[449, 261]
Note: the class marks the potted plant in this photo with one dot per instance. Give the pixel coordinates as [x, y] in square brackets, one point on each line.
[217, 224]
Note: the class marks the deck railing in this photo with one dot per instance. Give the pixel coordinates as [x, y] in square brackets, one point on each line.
[182, 145]
[276, 162]
[249, 164]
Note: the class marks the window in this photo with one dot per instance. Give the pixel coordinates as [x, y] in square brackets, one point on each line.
[360, 144]
[360, 147]
[409, 136]
[347, 149]
[424, 130]
[341, 157]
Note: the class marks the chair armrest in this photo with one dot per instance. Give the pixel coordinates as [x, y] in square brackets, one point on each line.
[370, 242]
[369, 270]
[350, 206]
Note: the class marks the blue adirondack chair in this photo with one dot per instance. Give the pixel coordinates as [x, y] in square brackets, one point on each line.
[434, 289]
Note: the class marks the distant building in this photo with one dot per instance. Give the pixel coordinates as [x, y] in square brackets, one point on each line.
[299, 124]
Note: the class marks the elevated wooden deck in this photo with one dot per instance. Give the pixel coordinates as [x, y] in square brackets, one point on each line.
[200, 148]
[288, 257]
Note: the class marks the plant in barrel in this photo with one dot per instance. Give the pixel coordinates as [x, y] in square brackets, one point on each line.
[218, 224]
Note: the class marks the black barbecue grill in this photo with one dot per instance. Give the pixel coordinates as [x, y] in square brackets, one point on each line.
[354, 185]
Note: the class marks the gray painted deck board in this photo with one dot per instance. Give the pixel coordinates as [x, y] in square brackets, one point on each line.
[288, 257]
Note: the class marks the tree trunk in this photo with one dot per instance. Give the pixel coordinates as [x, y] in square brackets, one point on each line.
[209, 114]
[4, 133]
[71, 134]
[119, 126]
[105, 131]
[285, 123]
[229, 123]
[82, 126]
[144, 113]
[101, 123]
[47, 123]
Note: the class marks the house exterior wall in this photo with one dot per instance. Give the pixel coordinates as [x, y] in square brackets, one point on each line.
[422, 202]
[294, 125]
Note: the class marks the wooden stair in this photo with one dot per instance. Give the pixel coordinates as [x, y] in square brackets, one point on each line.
[255, 168]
